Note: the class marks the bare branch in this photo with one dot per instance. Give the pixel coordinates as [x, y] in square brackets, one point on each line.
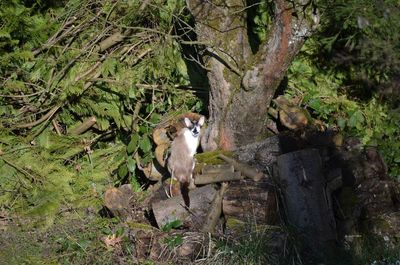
[86, 124]
[45, 117]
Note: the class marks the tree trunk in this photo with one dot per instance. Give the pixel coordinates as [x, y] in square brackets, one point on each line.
[242, 84]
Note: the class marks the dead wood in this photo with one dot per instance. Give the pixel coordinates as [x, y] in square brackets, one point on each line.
[160, 153]
[305, 199]
[153, 171]
[210, 169]
[45, 117]
[112, 40]
[248, 203]
[215, 210]
[84, 126]
[245, 169]
[56, 127]
[217, 177]
[160, 136]
[174, 208]
[117, 200]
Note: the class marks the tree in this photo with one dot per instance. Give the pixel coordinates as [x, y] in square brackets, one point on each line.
[243, 82]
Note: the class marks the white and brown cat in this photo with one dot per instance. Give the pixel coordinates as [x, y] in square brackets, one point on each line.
[181, 161]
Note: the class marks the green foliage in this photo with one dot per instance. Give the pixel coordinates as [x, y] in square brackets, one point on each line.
[360, 39]
[171, 225]
[52, 172]
[52, 56]
[173, 241]
[21, 30]
[259, 18]
[375, 122]
[262, 21]
[347, 73]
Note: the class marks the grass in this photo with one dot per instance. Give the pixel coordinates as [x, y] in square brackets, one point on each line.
[80, 239]
[71, 240]
[253, 248]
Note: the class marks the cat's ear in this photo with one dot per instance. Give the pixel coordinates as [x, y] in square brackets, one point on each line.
[201, 121]
[188, 123]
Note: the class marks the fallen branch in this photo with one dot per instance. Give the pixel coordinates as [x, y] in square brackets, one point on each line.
[86, 124]
[210, 169]
[217, 177]
[245, 169]
[89, 71]
[45, 117]
[141, 55]
[112, 40]
[56, 127]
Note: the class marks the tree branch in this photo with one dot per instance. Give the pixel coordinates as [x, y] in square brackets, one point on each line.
[217, 177]
[84, 126]
[45, 117]
[245, 169]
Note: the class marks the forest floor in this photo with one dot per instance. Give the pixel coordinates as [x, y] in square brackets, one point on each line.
[91, 239]
[88, 238]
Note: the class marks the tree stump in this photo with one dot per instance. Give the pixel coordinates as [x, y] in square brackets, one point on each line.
[305, 200]
[117, 201]
[166, 211]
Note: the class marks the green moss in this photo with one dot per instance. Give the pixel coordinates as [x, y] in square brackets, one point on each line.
[140, 226]
[236, 226]
[211, 158]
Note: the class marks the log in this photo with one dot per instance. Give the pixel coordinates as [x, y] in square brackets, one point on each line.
[217, 168]
[117, 200]
[306, 206]
[264, 153]
[160, 153]
[245, 169]
[248, 203]
[214, 213]
[217, 177]
[174, 208]
[153, 171]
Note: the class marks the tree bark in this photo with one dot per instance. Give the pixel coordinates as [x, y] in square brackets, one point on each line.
[242, 84]
[306, 202]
